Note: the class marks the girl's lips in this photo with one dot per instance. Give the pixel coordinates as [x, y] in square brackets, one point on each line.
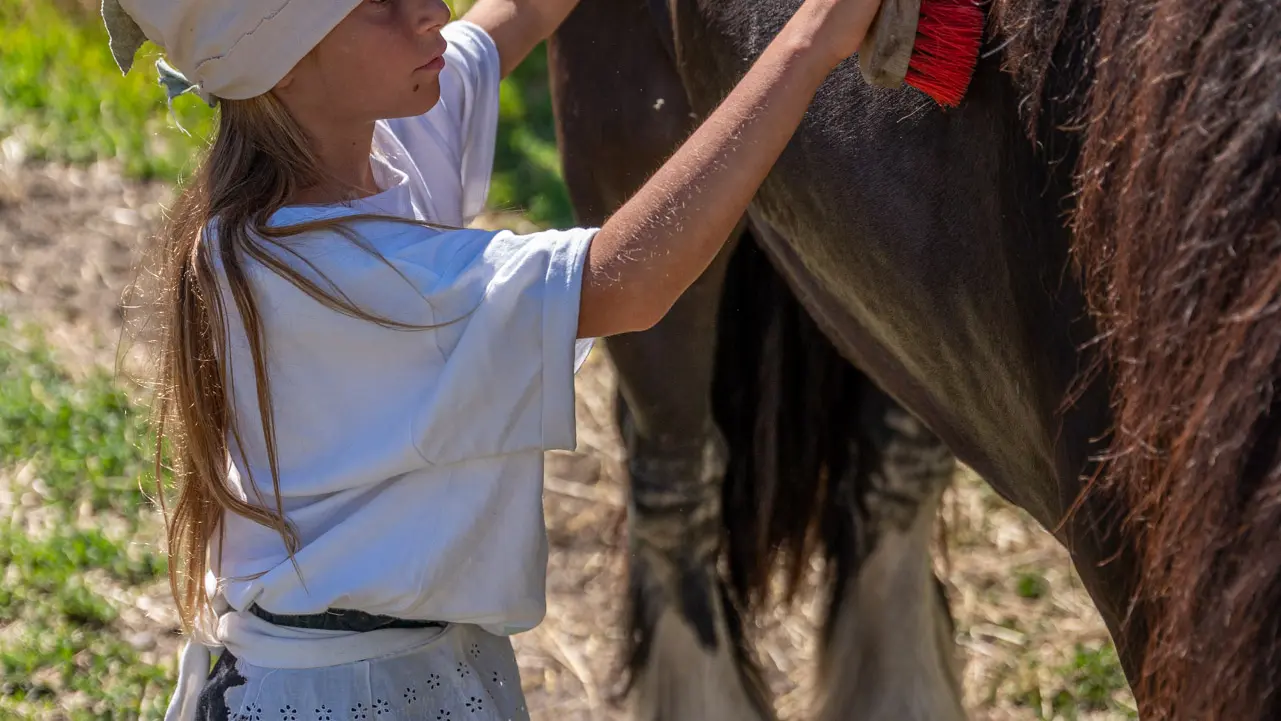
[437, 63]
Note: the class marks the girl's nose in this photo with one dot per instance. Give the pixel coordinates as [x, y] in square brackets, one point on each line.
[428, 16]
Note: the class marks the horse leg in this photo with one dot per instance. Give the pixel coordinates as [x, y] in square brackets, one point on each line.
[888, 652]
[688, 660]
[616, 122]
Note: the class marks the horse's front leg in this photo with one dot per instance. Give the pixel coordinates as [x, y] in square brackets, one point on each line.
[620, 111]
[686, 658]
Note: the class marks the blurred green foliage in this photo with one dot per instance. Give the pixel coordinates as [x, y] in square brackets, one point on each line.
[62, 98]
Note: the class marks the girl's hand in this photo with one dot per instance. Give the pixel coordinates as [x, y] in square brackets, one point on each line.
[837, 26]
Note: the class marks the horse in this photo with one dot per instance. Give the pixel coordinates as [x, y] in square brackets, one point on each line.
[1071, 283]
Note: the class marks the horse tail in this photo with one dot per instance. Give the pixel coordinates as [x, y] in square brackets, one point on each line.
[1178, 233]
[782, 397]
[786, 402]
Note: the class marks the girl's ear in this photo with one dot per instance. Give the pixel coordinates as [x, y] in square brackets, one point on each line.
[285, 83]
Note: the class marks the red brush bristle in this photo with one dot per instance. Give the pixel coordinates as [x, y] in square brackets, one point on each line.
[948, 35]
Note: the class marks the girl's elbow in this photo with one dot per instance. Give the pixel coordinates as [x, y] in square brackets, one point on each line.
[610, 319]
[646, 312]
[646, 320]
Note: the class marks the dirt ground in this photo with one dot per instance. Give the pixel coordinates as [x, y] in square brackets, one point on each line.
[1033, 644]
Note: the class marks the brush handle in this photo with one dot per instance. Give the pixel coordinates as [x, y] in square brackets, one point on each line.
[887, 49]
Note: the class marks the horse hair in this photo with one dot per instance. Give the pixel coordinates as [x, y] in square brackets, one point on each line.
[1178, 235]
[786, 402]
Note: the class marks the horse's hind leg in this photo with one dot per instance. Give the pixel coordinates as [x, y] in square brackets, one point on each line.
[617, 120]
[889, 653]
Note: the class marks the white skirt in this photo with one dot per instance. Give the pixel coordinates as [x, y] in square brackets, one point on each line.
[462, 674]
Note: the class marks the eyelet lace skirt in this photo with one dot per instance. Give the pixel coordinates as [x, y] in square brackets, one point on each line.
[462, 674]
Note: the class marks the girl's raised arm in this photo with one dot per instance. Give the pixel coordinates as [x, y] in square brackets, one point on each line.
[656, 245]
[518, 26]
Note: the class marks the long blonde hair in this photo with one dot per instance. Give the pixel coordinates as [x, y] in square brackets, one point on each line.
[259, 159]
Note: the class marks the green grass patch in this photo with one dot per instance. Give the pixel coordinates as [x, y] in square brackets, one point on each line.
[1089, 682]
[62, 98]
[1093, 677]
[77, 533]
[1031, 585]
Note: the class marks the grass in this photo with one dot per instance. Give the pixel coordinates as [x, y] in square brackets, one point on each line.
[76, 544]
[1090, 681]
[1024, 615]
[63, 99]
[526, 162]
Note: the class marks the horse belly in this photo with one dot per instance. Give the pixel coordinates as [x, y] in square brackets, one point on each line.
[911, 234]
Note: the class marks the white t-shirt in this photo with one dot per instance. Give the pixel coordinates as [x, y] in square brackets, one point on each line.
[411, 461]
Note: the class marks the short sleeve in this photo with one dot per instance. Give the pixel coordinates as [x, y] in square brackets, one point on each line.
[469, 99]
[511, 305]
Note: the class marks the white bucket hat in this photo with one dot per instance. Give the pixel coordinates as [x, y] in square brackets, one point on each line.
[231, 49]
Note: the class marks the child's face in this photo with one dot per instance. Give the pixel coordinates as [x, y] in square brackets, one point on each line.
[382, 61]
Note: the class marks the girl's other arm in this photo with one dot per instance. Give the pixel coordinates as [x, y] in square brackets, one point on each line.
[518, 26]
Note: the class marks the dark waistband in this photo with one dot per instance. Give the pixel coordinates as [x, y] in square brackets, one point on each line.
[340, 619]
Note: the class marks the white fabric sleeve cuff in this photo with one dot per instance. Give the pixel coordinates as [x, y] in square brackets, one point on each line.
[563, 353]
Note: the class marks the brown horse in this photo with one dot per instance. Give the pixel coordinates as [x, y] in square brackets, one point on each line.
[1074, 280]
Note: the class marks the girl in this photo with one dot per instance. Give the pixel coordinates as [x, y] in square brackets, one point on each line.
[355, 394]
